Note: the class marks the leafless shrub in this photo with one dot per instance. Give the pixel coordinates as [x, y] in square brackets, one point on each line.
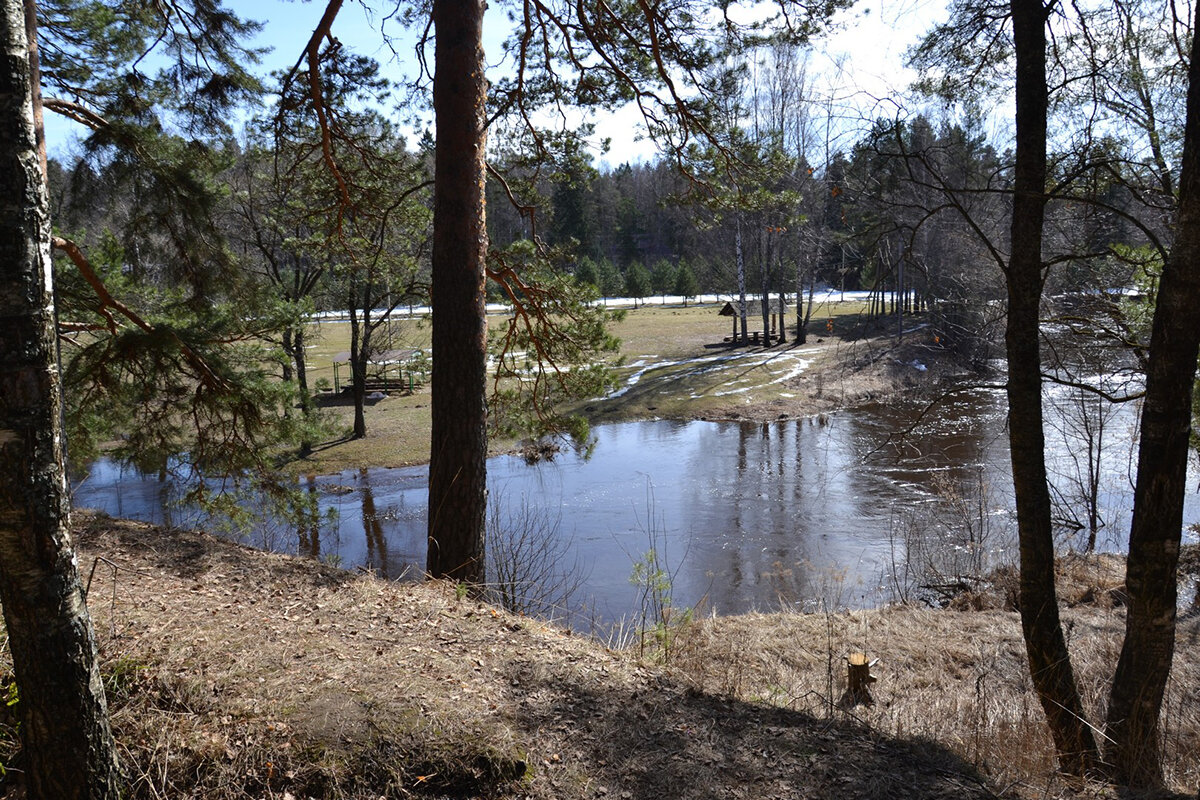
[949, 547]
[531, 568]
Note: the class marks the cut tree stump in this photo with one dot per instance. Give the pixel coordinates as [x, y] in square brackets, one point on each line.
[859, 680]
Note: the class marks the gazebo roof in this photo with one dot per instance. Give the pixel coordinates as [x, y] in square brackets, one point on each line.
[728, 310]
[386, 357]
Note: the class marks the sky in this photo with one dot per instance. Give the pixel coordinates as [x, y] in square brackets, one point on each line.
[861, 59]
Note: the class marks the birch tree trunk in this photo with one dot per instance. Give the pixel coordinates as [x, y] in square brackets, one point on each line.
[741, 277]
[64, 718]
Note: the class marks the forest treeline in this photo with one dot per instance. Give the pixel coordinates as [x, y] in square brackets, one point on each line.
[918, 203]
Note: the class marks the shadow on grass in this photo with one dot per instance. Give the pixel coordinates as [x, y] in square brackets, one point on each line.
[667, 741]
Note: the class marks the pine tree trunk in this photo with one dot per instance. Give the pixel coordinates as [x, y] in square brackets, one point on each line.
[1049, 661]
[1145, 662]
[300, 359]
[306, 400]
[458, 454]
[64, 718]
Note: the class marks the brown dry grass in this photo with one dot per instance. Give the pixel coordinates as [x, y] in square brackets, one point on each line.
[955, 677]
[238, 674]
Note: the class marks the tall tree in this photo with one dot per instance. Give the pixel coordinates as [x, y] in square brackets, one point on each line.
[1133, 754]
[1046, 647]
[64, 717]
[1145, 662]
[458, 447]
[566, 55]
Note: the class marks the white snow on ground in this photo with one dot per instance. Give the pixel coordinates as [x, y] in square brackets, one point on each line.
[633, 379]
[820, 296]
[726, 362]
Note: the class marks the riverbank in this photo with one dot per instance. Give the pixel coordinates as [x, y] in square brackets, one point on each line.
[674, 364]
[233, 673]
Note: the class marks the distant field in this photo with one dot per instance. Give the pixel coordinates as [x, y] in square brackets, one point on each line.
[675, 362]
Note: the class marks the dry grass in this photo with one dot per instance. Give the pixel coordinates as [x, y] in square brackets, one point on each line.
[955, 677]
[238, 674]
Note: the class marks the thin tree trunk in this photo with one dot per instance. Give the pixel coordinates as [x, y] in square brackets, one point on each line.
[358, 371]
[306, 402]
[741, 276]
[801, 327]
[782, 316]
[764, 289]
[1145, 662]
[300, 358]
[64, 717]
[1049, 660]
[289, 350]
[458, 453]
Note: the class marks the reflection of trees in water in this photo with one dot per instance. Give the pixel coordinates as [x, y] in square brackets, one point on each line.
[755, 518]
[531, 568]
[310, 522]
[1091, 456]
[377, 549]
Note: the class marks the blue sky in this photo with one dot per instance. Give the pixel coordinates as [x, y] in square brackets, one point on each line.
[861, 59]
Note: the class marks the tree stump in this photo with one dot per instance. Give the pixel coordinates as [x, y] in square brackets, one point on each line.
[859, 680]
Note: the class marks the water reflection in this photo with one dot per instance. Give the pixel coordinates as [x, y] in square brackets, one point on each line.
[310, 522]
[377, 548]
[795, 512]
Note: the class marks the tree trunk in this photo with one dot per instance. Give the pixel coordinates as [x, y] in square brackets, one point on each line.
[358, 371]
[1154, 537]
[458, 452]
[1049, 661]
[306, 401]
[64, 718]
[801, 332]
[300, 358]
[289, 350]
[740, 256]
[764, 290]
[782, 316]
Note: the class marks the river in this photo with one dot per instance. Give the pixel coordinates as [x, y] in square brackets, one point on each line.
[842, 510]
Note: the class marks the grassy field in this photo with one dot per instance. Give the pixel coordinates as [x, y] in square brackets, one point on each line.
[674, 362]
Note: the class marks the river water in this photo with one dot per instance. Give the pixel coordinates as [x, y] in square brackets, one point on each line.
[843, 510]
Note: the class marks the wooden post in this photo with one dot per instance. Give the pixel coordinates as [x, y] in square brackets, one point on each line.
[859, 680]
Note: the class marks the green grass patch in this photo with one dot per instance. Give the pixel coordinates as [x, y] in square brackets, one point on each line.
[675, 363]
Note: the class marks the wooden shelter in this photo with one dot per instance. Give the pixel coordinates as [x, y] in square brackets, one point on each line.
[778, 320]
[384, 370]
[728, 310]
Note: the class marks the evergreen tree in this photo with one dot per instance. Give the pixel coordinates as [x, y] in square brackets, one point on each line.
[637, 282]
[586, 274]
[662, 277]
[685, 283]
